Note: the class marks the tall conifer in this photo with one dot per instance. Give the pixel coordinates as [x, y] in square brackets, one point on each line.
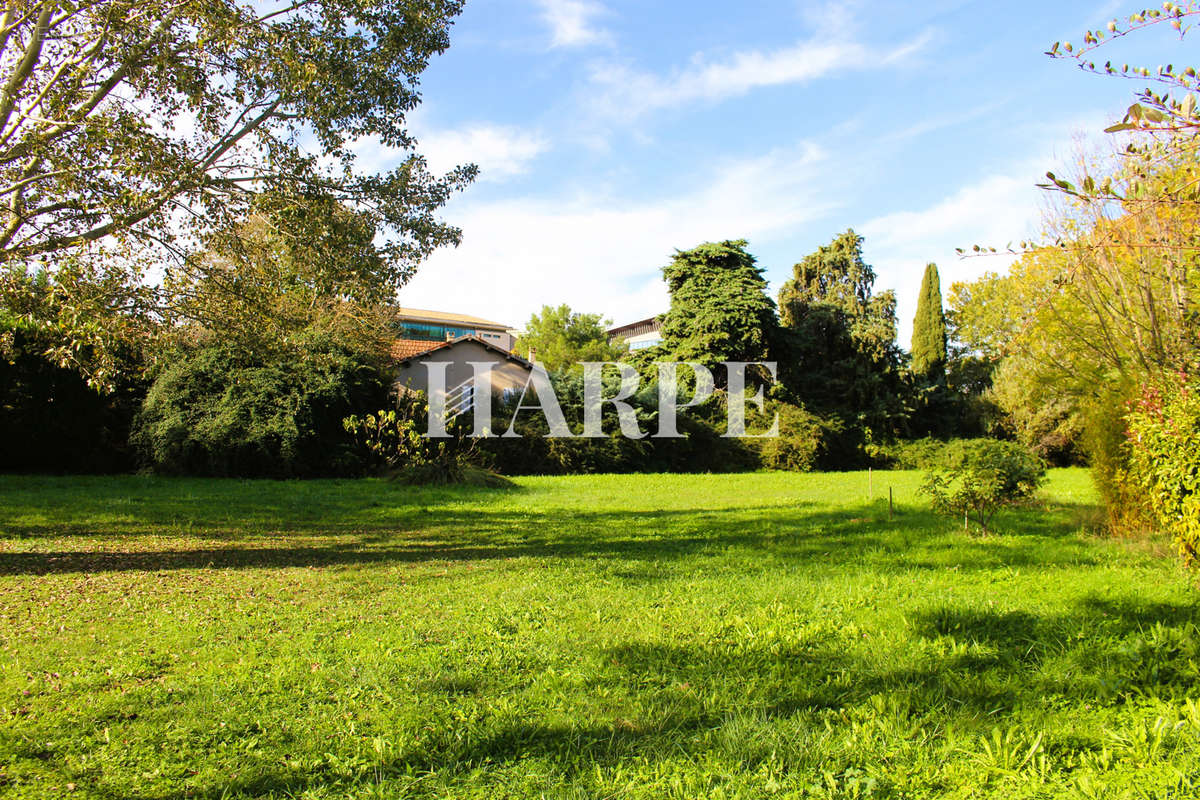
[929, 330]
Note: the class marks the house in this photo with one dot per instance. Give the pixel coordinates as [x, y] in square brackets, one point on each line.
[419, 330]
[638, 335]
[509, 374]
[459, 340]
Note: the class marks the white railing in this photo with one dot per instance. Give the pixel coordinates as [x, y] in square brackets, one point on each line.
[460, 399]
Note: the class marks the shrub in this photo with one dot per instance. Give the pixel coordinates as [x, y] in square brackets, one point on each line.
[980, 476]
[216, 410]
[801, 435]
[392, 442]
[701, 448]
[924, 454]
[1106, 442]
[1163, 458]
[927, 453]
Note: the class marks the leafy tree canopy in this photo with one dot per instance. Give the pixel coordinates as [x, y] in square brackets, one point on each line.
[719, 307]
[562, 338]
[290, 267]
[838, 350]
[834, 276]
[120, 118]
[1075, 327]
[133, 134]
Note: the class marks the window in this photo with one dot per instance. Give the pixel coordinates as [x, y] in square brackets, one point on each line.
[431, 333]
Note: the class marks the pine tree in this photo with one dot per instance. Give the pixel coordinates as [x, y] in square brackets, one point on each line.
[720, 310]
[929, 330]
[837, 350]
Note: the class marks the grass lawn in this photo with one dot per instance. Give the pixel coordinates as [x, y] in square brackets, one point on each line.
[765, 635]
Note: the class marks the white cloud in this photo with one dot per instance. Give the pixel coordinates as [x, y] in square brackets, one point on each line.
[629, 93]
[601, 255]
[1000, 209]
[994, 211]
[501, 151]
[571, 22]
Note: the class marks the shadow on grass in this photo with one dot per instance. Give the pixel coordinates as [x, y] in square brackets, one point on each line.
[691, 698]
[90, 506]
[857, 534]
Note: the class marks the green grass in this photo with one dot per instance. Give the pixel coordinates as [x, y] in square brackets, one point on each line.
[766, 635]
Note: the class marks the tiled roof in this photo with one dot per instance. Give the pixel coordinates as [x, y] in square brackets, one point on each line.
[406, 348]
[423, 315]
[402, 345]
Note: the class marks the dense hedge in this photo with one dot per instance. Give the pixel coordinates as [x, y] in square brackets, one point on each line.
[217, 411]
[51, 421]
[925, 454]
[702, 447]
[1163, 451]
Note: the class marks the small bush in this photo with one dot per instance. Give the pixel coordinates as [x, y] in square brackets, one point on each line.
[980, 476]
[1163, 448]
[392, 442]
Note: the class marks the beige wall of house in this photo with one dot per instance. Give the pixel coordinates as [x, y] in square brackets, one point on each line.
[507, 374]
[503, 338]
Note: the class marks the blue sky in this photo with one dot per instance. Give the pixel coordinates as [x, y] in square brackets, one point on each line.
[610, 133]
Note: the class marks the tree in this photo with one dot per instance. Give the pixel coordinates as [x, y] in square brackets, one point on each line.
[1076, 329]
[980, 476]
[290, 267]
[937, 409]
[719, 307]
[929, 330]
[1107, 302]
[561, 338]
[835, 275]
[216, 409]
[117, 116]
[130, 131]
[837, 350]
[87, 316]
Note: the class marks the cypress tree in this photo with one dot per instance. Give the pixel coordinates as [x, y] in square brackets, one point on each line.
[929, 330]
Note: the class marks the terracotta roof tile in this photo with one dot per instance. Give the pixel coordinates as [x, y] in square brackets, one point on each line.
[406, 348]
